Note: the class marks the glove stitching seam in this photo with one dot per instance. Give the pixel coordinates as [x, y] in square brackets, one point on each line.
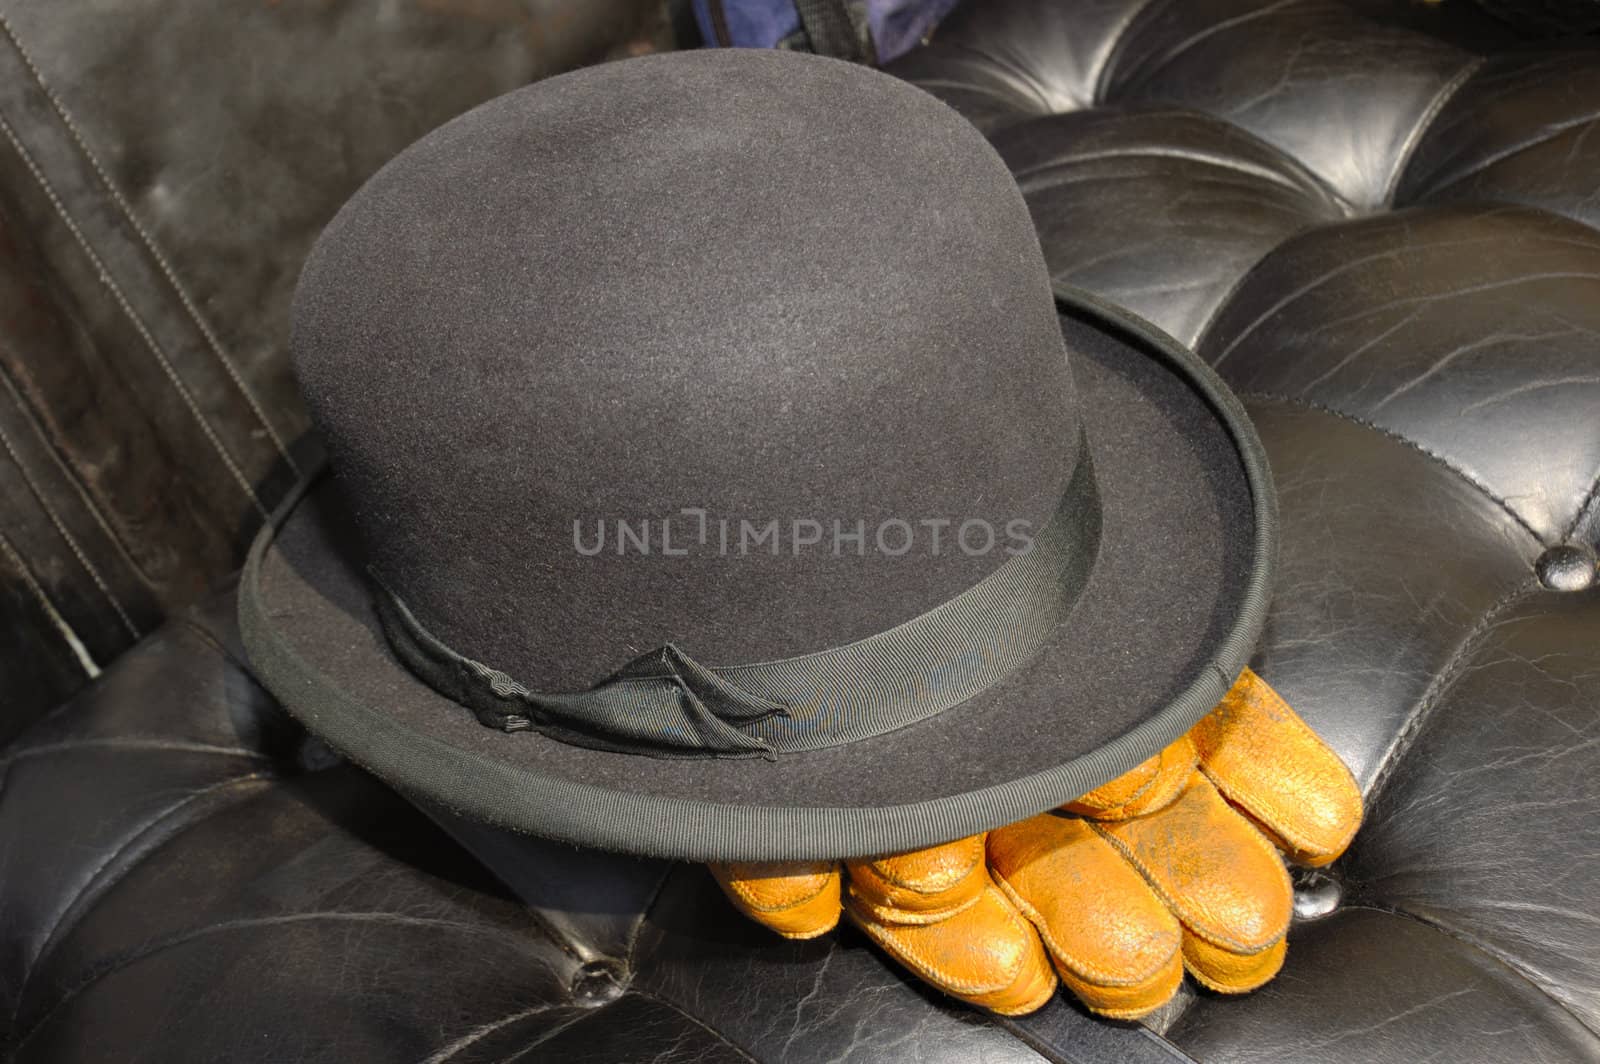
[1264, 811]
[738, 887]
[1206, 933]
[877, 869]
[1085, 969]
[1264, 693]
[934, 972]
[1094, 807]
[889, 914]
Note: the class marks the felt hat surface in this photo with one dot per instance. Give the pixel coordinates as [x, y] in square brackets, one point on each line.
[714, 474]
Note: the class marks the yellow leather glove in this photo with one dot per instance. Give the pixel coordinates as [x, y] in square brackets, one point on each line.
[1173, 865]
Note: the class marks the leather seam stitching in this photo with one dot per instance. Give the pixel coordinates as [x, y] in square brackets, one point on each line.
[1115, 40]
[1004, 92]
[1296, 178]
[1548, 134]
[86, 662]
[73, 475]
[121, 299]
[1584, 507]
[67, 537]
[630, 947]
[1441, 99]
[1441, 683]
[187, 622]
[96, 885]
[1354, 419]
[1161, 62]
[1200, 334]
[67, 746]
[162, 264]
[1009, 98]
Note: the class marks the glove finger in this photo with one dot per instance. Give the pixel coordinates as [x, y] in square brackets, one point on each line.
[1220, 877]
[795, 899]
[1147, 787]
[922, 886]
[957, 932]
[1232, 973]
[1113, 941]
[1266, 761]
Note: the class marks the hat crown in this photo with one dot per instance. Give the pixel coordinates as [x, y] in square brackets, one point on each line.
[582, 355]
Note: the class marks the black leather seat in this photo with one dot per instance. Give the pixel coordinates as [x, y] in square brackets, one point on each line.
[1386, 240]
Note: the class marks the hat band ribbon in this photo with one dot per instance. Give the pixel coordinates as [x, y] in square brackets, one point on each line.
[666, 704]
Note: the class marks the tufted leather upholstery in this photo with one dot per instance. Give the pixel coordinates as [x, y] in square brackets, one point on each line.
[1383, 238]
[163, 172]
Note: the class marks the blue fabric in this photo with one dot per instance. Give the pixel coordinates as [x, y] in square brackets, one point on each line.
[900, 25]
[749, 23]
[897, 26]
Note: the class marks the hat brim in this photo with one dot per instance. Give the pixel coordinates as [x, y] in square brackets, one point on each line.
[1170, 615]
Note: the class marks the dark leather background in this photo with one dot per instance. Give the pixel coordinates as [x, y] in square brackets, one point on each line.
[1383, 235]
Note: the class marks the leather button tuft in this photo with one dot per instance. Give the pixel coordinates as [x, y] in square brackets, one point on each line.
[1568, 567]
[1316, 894]
[598, 983]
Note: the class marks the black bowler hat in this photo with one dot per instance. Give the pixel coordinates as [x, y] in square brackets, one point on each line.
[715, 475]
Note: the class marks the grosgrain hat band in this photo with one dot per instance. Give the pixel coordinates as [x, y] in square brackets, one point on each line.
[666, 704]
